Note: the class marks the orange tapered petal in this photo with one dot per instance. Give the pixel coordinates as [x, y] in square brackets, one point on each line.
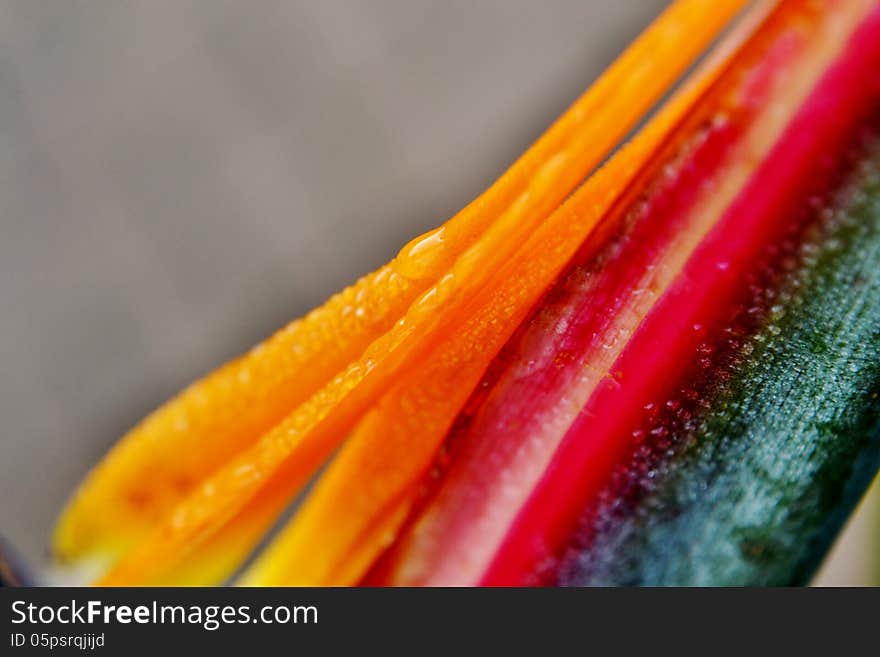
[161, 460]
[362, 500]
[197, 465]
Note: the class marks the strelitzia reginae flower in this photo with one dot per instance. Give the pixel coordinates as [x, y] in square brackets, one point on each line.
[646, 357]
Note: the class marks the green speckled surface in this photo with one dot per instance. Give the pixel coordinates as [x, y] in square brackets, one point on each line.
[759, 486]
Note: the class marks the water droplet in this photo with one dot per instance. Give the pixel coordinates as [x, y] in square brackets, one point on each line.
[420, 258]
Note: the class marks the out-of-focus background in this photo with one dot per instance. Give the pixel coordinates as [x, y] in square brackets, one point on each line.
[180, 178]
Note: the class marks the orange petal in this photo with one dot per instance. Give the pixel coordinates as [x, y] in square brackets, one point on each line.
[395, 444]
[267, 473]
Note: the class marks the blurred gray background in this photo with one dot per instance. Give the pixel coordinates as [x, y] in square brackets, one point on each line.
[178, 179]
